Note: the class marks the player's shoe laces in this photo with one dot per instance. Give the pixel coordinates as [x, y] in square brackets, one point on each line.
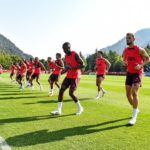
[80, 110]
[56, 112]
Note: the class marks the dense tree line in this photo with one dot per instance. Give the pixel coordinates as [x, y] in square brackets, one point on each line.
[115, 60]
[6, 59]
[147, 67]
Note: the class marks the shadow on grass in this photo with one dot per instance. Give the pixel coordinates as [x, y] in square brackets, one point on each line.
[55, 101]
[16, 93]
[44, 136]
[6, 87]
[21, 97]
[32, 118]
[9, 90]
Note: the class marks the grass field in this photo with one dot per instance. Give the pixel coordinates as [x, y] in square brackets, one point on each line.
[25, 122]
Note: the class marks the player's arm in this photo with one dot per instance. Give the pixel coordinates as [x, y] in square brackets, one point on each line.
[33, 69]
[124, 60]
[50, 69]
[61, 65]
[80, 62]
[25, 67]
[43, 66]
[108, 65]
[145, 58]
[65, 68]
[80, 66]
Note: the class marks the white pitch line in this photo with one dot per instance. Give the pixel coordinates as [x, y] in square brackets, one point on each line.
[3, 144]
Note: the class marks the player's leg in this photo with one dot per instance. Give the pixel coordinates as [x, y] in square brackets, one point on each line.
[103, 90]
[21, 80]
[38, 82]
[48, 80]
[51, 87]
[11, 76]
[56, 81]
[66, 83]
[73, 87]
[98, 87]
[72, 95]
[51, 82]
[27, 79]
[76, 100]
[31, 81]
[135, 90]
[129, 94]
[128, 86]
[99, 81]
[17, 78]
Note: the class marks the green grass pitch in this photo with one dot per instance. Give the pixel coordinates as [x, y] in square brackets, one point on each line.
[25, 122]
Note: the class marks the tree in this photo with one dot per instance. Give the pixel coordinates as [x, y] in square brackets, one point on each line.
[147, 66]
[44, 62]
[113, 57]
[6, 59]
[83, 58]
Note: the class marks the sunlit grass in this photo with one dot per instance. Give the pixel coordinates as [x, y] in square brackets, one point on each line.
[25, 122]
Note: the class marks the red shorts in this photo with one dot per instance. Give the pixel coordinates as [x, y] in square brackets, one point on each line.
[71, 83]
[28, 73]
[12, 73]
[100, 75]
[133, 78]
[20, 76]
[54, 77]
[35, 75]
